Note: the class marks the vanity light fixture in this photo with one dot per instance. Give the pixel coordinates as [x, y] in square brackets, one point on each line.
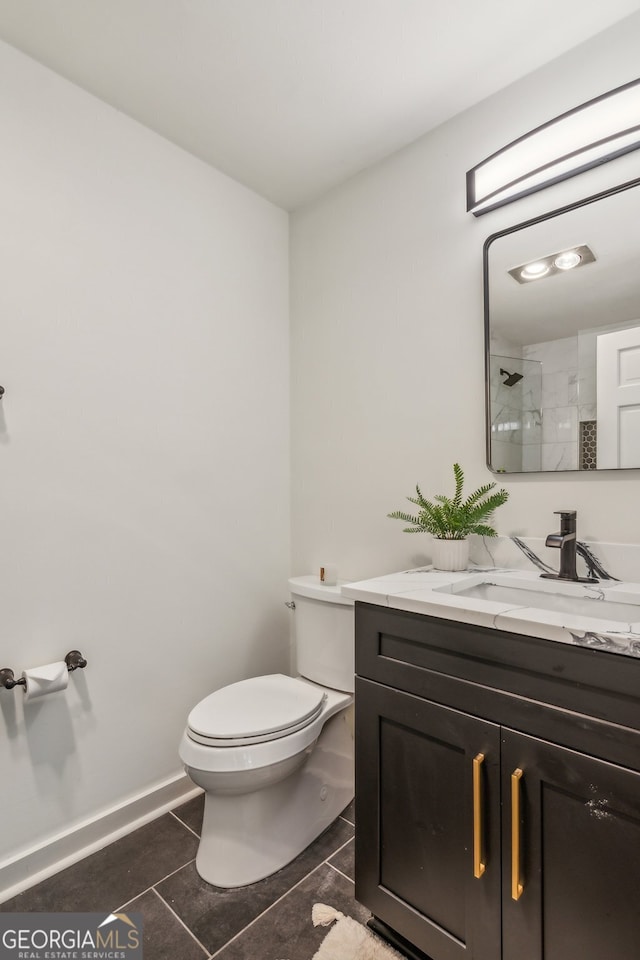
[593, 133]
[553, 263]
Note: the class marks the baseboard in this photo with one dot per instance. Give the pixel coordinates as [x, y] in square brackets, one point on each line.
[43, 860]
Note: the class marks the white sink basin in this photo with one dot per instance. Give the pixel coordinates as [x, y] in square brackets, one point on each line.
[582, 599]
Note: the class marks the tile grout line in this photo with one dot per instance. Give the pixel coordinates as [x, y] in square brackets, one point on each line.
[270, 907]
[337, 850]
[322, 863]
[162, 879]
[340, 872]
[180, 921]
[183, 824]
[151, 888]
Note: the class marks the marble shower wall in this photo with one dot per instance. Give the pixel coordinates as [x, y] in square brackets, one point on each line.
[559, 403]
[535, 423]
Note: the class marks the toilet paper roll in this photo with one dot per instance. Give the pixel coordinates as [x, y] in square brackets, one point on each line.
[41, 681]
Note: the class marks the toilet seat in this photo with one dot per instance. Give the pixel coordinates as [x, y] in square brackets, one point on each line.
[255, 711]
[238, 758]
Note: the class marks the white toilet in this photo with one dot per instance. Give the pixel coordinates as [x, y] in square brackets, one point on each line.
[274, 754]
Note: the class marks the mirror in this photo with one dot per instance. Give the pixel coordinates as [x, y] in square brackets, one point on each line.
[563, 340]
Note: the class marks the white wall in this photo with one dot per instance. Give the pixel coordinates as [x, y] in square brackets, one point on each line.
[387, 333]
[144, 474]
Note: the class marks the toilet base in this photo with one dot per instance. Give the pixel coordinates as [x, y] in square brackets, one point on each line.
[247, 837]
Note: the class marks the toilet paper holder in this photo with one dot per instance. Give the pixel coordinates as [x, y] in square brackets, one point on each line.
[73, 660]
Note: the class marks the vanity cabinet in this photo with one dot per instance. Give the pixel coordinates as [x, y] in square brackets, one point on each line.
[497, 791]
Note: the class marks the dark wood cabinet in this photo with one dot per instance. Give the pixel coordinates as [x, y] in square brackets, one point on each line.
[579, 829]
[491, 820]
[414, 845]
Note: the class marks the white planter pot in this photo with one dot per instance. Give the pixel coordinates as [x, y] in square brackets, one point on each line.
[450, 554]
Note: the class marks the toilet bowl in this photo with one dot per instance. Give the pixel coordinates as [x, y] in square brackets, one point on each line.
[274, 754]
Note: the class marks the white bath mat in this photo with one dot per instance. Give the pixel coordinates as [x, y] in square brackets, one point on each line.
[348, 939]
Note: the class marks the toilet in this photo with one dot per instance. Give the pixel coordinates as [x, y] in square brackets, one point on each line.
[274, 754]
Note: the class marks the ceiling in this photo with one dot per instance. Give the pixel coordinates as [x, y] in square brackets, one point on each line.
[291, 97]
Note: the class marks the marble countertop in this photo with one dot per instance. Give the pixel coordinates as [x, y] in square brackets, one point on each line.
[432, 592]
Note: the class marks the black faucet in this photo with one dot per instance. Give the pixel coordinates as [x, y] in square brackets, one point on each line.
[565, 541]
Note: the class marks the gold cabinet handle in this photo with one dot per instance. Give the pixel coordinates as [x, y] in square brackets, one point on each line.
[516, 885]
[478, 817]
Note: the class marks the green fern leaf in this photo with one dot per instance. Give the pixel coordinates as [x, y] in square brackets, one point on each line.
[452, 518]
[459, 475]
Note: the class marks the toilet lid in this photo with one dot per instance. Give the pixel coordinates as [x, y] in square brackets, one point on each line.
[255, 710]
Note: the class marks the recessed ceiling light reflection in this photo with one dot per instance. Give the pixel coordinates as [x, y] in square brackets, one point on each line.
[558, 262]
[534, 270]
[567, 260]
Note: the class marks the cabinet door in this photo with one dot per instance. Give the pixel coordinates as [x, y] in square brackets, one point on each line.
[420, 805]
[578, 828]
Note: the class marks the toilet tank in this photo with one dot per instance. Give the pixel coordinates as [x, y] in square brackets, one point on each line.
[324, 633]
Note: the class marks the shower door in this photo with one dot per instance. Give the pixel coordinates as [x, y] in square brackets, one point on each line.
[516, 419]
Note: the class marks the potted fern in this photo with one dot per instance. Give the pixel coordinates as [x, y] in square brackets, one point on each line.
[451, 520]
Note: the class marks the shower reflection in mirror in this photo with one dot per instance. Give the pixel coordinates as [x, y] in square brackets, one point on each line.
[563, 344]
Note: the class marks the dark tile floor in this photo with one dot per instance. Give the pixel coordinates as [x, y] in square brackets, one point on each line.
[152, 871]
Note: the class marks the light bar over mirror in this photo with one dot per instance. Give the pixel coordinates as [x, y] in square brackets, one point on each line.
[588, 135]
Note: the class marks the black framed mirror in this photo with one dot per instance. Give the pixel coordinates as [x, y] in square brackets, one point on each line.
[562, 338]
